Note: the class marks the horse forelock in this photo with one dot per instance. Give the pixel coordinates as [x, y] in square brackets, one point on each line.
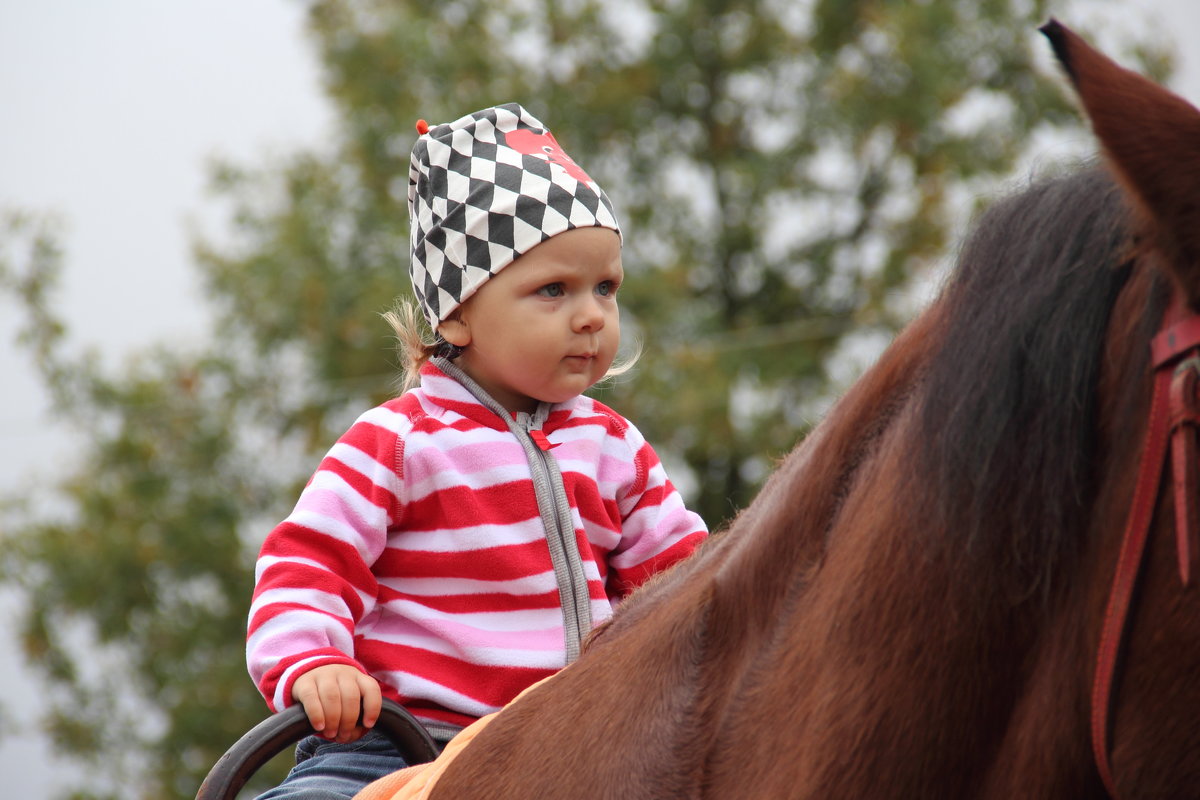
[1005, 442]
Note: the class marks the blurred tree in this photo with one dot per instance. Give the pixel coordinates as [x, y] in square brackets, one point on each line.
[784, 172]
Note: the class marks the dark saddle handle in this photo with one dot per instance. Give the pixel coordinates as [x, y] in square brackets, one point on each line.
[268, 739]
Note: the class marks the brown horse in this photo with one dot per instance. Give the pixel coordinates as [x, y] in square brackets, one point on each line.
[913, 606]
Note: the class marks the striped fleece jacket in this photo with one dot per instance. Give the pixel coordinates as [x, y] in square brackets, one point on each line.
[457, 553]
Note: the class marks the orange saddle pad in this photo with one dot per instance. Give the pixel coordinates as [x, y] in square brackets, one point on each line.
[415, 783]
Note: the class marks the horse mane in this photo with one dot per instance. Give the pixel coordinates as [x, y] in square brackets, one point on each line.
[1002, 372]
[1006, 436]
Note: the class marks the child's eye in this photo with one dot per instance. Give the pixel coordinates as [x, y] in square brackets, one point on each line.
[551, 290]
[606, 288]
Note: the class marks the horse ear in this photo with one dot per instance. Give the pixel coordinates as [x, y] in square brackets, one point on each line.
[1151, 138]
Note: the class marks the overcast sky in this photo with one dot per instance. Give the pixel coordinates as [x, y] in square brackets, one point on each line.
[111, 109]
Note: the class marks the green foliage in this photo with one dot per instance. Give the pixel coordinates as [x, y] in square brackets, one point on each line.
[136, 586]
[780, 176]
[783, 171]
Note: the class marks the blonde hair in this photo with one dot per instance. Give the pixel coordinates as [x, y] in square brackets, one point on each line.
[416, 344]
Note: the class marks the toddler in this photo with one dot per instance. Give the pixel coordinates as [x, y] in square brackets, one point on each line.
[457, 543]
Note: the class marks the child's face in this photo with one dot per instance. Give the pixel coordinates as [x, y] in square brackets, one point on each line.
[546, 327]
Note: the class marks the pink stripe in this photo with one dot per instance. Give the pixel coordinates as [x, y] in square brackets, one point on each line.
[467, 637]
[469, 458]
[583, 450]
[614, 470]
[339, 522]
[280, 639]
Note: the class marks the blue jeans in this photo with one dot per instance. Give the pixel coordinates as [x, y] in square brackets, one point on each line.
[327, 770]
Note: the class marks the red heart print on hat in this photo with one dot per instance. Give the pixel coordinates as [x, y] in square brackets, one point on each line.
[543, 145]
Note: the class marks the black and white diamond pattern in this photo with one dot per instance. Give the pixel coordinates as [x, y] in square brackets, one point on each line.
[483, 190]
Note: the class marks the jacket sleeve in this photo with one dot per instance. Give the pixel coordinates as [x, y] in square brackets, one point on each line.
[313, 578]
[657, 529]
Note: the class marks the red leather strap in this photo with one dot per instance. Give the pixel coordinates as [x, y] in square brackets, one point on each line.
[1185, 417]
[1174, 419]
[1178, 338]
[1133, 545]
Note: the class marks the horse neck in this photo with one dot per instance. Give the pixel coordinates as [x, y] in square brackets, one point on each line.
[782, 534]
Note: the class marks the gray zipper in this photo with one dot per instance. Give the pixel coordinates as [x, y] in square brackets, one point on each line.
[554, 508]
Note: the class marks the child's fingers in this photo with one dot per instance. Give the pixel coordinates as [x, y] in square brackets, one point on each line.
[347, 700]
[331, 701]
[305, 693]
[327, 700]
[334, 697]
[372, 700]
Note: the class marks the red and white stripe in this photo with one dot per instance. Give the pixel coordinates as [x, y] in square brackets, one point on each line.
[417, 551]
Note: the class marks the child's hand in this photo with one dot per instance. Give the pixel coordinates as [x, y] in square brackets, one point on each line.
[332, 696]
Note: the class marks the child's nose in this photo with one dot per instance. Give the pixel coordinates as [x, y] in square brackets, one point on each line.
[589, 316]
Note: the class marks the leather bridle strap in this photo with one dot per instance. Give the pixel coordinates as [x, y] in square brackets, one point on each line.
[1185, 419]
[1133, 545]
[1174, 415]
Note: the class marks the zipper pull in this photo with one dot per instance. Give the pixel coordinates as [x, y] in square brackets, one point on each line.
[541, 441]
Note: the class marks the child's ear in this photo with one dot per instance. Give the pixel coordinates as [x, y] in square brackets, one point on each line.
[455, 331]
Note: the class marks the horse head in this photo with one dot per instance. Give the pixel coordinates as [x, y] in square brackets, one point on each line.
[1151, 140]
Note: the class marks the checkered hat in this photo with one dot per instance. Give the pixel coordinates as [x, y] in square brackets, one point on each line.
[484, 189]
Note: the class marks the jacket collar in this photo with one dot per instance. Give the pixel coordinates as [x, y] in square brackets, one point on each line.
[443, 382]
